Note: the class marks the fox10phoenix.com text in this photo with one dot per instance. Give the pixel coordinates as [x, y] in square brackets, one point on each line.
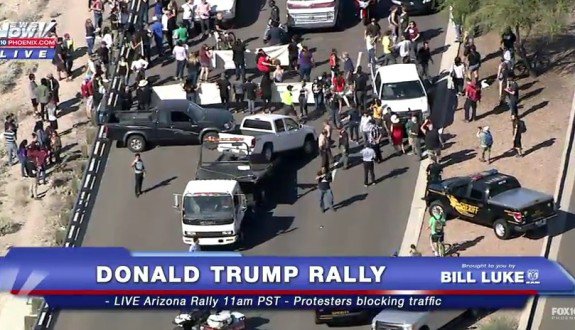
[27, 40]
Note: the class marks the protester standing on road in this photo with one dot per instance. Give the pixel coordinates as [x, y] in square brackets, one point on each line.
[333, 62]
[393, 21]
[250, 90]
[503, 74]
[433, 142]
[368, 157]
[293, 53]
[139, 172]
[364, 126]
[158, 33]
[324, 146]
[195, 246]
[32, 180]
[97, 9]
[324, 179]
[375, 136]
[188, 15]
[360, 87]
[302, 98]
[343, 145]
[203, 11]
[404, 49]
[318, 96]
[225, 88]
[397, 134]
[56, 145]
[473, 96]
[348, 67]
[180, 53]
[423, 59]
[287, 101]
[238, 56]
[23, 157]
[412, 129]
[193, 67]
[144, 95]
[370, 45]
[239, 95]
[266, 91]
[305, 63]
[485, 143]
[354, 118]
[205, 62]
[518, 129]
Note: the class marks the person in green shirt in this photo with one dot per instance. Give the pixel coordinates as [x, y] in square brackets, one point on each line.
[437, 224]
[181, 33]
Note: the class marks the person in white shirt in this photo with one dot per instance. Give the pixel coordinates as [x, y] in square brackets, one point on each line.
[188, 15]
[107, 38]
[370, 42]
[180, 53]
[139, 67]
[457, 73]
[404, 48]
[368, 158]
[364, 127]
[195, 246]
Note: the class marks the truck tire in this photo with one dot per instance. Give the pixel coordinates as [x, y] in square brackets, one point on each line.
[309, 146]
[136, 143]
[206, 139]
[502, 229]
[437, 205]
[268, 152]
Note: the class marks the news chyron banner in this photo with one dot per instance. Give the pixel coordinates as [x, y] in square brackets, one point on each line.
[28, 40]
[115, 278]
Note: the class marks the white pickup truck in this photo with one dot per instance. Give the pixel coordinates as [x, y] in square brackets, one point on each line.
[270, 134]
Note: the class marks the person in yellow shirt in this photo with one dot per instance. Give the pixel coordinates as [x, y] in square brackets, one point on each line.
[287, 101]
[377, 112]
[388, 48]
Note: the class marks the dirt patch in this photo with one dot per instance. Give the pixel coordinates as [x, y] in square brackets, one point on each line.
[545, 105]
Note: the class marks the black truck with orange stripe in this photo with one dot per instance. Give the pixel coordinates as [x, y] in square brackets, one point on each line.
[492, 199]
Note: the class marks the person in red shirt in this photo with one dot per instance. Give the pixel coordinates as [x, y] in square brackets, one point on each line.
[264, 62]
[473, 95]
[333, 62]
[338, 83]
[87, 90]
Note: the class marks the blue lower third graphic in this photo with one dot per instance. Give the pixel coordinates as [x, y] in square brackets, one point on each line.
[27, 53]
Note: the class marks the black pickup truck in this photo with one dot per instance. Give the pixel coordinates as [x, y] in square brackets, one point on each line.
[492, 199]
[168, 122]
[344, 316]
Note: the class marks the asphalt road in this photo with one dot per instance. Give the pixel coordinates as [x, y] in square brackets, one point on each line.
[369, 221]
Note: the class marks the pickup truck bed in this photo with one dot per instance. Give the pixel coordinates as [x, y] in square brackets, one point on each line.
[242, 172]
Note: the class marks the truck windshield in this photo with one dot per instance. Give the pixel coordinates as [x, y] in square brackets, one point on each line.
[209, 207]
[196, 112]
[404, 90]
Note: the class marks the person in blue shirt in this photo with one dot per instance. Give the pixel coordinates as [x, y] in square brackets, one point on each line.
[158, 32]
[158, 9]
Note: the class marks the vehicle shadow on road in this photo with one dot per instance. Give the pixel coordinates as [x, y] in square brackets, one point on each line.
[392, 174]
[564, 222]
[255, 323]
[248, 12]
[265, 226]
[284, 183]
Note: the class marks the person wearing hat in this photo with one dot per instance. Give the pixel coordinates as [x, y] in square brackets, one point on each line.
[287, 101]
[433, 141]
[144, 95]
[436, 227]
[485, 143]
[397, 134]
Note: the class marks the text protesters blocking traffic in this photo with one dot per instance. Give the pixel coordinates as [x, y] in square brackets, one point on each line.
[27, 40]
[117, 278]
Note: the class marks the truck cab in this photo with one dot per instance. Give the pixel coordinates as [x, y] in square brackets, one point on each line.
[400, 88]
[313, 14]
[435, 320]
[212, 211]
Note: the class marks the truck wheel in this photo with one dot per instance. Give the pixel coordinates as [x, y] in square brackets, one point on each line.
[268, 152]
[437, 206]
[136, 143]
[502, 229]
[209, 139]
[309, 146]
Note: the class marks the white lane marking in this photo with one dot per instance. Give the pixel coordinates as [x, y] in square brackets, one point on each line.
[418, 206]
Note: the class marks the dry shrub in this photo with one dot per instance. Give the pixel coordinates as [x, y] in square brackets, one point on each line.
[22, 195]
[9, 77]
[91, 135]
[59, 181]
[55, 232]
[8, 226]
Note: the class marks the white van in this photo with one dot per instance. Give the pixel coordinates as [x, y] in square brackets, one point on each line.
[400, 88]
[405, 320]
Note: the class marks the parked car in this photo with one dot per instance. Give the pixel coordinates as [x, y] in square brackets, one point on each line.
[169, 122]
[492, 199]
[270, 134]
[415, 7]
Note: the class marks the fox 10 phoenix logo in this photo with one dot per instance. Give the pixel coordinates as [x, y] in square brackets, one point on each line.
[27, 41]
